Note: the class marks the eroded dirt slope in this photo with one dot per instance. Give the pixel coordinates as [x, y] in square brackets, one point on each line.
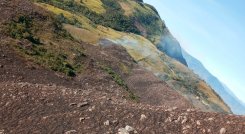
[93, 103]
[54, 109]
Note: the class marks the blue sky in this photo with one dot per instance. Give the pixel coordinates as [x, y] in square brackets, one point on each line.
[213, 31]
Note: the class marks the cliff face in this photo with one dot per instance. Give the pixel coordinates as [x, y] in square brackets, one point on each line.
[134, 25]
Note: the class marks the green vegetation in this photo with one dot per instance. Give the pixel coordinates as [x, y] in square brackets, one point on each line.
[22, 28]
[62, 19]
[94, 5]
[149, 22]
[152, 8]
[55, 61]
[124, 68]
[58, 27]
[113, 17]
[192, 88]
[117, 78]
[41, 53]
[77, 65]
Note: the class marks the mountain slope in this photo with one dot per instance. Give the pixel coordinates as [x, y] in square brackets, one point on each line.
[49, 33]
[51, 81]
[234, 103]
[95, 25]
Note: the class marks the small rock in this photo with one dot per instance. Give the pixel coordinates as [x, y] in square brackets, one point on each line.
[209, 130]
[222, 131]
[129, 129]
[72, 104]
[71, 132]
[91, 108]
[50, 85]
[122, 131]
[82, 104]
[115, 121]
[142, 117]
[22, 85]
[186, 127]
[1, 66]
[185, 131]
[198, 123]
[1, 131]
[37, 86]
[107, 123]
[81, 119]
[184, 121]
[210, 119]
[174, 108]
[179, 118]
[169, 119]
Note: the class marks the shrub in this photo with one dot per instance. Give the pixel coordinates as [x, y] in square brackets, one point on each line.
[22, 28]
[57, 62]
[117, 78]
[115, 18]
[58, 26]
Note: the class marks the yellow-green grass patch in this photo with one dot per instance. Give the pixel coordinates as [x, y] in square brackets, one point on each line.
[94, 5]
[212, 96]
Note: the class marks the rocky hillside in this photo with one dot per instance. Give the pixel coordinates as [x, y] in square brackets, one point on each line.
[138, 28]
[63, 70]
[74, 21]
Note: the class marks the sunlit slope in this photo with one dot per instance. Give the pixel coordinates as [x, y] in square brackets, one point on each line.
[142, 47]
[94, 5]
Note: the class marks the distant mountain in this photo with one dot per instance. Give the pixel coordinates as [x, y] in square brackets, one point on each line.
[225, 93]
